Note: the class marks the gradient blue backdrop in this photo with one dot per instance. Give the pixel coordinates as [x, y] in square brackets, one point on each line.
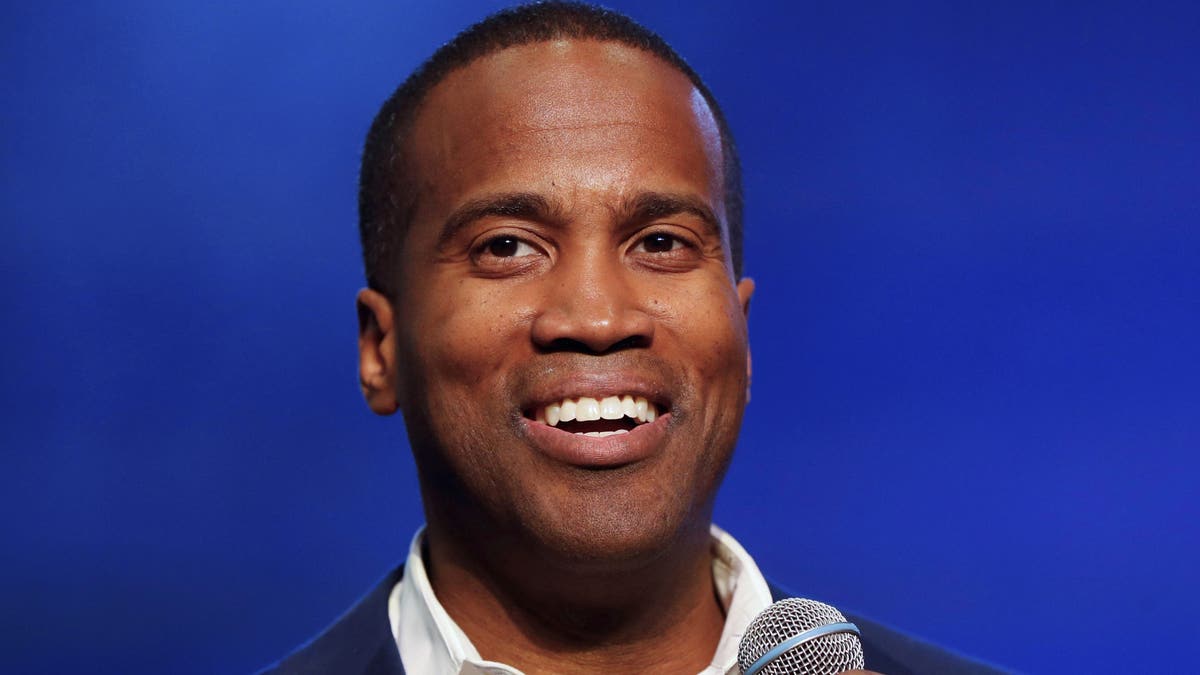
[976, 334]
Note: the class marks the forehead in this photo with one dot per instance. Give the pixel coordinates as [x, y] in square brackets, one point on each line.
[573, 115]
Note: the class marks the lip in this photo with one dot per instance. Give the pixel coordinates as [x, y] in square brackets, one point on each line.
[642, 442]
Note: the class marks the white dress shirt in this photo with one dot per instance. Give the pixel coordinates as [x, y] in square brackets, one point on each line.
[431, 643]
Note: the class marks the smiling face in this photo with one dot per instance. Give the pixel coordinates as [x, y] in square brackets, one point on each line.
[567, 258]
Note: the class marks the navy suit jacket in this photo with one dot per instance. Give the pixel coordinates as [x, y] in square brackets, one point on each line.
[361, 642]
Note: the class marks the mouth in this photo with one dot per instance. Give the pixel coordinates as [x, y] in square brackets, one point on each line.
[596, 417]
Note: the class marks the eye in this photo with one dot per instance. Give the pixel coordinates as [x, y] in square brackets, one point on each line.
[503, 254]
[659, 242]
[667, 249]
[507, 247]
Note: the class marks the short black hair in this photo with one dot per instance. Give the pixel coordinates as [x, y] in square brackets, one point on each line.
[385, 201]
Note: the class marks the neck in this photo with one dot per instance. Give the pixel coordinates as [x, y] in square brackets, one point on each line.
[524, 608]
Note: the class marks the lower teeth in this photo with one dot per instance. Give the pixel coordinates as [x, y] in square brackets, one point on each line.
[601, 434]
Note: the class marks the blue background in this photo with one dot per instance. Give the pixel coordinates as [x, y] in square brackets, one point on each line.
[976, 335]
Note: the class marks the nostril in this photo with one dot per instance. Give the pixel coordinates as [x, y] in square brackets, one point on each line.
[593, 325]
[567, 345]
[631, 342]
[573, 345]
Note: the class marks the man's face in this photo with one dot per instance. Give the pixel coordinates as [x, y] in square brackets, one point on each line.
[568, 249]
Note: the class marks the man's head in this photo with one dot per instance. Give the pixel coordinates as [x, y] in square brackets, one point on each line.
[567, 245]
[387, 185]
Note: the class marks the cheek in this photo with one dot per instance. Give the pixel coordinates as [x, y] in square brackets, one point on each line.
[708, 334]
[463, 339]
[707, 323]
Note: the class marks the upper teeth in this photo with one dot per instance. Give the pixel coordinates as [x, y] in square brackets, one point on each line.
[587, 409]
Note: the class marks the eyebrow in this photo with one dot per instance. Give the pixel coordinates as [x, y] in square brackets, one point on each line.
[640, 208]
[647, 206]
[522, 205]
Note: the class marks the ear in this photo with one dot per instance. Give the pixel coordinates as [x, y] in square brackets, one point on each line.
[377, 351]
[745, 289]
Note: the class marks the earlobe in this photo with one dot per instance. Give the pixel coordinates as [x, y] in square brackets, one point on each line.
[377, 351]
[745, 289]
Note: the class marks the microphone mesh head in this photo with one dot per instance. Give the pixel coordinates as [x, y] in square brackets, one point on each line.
[826, 654]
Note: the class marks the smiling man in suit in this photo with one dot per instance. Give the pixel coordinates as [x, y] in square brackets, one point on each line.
[550, 211]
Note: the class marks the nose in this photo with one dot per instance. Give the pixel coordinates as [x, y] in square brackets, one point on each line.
[592, 305]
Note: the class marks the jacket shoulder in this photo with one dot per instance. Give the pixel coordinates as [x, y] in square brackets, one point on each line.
[894, 652]
[359, 641]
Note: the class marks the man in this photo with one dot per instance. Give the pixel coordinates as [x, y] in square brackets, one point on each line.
[550, 212]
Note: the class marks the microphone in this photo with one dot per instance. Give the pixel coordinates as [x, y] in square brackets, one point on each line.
[796, 636]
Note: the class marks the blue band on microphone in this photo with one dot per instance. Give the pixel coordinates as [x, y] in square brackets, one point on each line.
[791, 642]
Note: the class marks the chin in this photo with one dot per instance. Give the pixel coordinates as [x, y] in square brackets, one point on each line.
[620, 534]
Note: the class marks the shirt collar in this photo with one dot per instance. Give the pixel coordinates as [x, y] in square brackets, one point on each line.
[431, 642]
